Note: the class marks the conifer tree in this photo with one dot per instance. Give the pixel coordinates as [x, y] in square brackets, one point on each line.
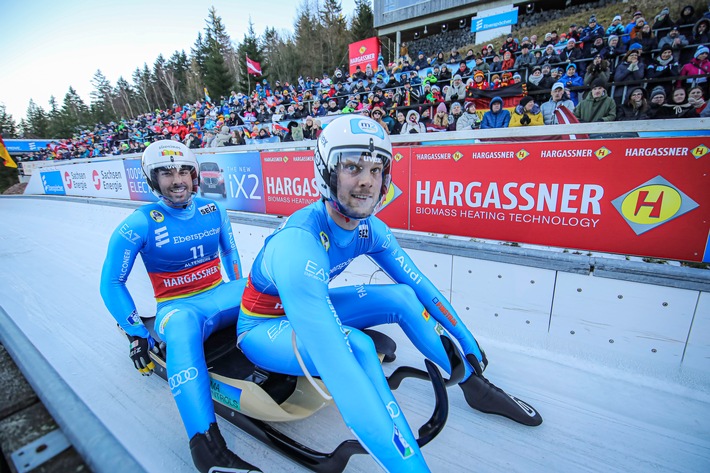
[8, 128]
[37, 123]
[363, 21]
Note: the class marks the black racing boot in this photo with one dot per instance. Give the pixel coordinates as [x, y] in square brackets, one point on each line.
[211, 455]
[486, 397]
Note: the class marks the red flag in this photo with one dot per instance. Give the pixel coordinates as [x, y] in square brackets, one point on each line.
[253, 67]
[565, 116]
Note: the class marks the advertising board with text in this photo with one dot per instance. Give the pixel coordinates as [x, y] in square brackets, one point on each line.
[106, 179]
[395, 208]
[362, 53]
[640, 197]
[233, 179]
[288, 181]
[289, 185]
[137, 185]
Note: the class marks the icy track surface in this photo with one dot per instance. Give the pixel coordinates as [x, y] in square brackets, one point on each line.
[596, 418]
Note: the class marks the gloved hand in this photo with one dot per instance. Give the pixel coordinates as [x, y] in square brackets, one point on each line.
[478, 367]
[139, 353]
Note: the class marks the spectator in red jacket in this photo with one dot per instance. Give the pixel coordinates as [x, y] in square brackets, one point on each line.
[697, 66]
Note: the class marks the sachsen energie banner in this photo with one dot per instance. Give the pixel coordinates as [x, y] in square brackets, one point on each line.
[363, 53]
[637, 196]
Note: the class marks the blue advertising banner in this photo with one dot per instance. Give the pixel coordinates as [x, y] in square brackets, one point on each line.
[494, 21]
[137, 186]
[234, 179]
[52, 183]
[25, 146]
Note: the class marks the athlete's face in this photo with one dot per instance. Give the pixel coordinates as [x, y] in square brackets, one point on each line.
[175, 184]
[359, 184]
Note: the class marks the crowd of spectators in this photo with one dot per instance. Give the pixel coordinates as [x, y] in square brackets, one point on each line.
[598, 73]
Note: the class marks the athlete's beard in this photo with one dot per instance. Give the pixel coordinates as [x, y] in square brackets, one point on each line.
[179, 203]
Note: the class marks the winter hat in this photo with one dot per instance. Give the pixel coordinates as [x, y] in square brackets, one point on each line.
[557, 85]
[666, 47]
[571, 64]
[612, 36]
[457, 77]
[592, 19]
[536, 68]
[469, 105]
[516, 76]
[598, 82]
[478, 73]
[658, 90]
[526, 100]
[701, 49]
[441, 108]
[631, 51]
[617, 17]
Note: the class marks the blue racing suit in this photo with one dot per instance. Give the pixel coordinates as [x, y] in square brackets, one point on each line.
[181, 252]
[288, 291]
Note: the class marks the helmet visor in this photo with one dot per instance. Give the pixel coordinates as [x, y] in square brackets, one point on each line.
[360, 180]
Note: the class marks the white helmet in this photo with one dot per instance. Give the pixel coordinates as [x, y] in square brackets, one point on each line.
[350, 135]
[168, 154]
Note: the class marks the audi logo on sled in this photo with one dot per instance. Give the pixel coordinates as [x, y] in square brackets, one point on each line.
[182, 377]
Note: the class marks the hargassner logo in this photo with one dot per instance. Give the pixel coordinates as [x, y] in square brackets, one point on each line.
[652, 204]
[52, 183]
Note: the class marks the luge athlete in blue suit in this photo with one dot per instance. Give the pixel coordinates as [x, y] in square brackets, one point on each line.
[180, 239]
[288, 293]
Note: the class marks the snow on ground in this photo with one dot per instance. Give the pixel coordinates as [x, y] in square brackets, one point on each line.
[597, 418]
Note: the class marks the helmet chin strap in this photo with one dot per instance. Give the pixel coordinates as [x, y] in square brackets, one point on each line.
[339, 209]
[175, 205]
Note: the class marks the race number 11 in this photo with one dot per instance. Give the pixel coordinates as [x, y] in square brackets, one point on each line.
[195, 250]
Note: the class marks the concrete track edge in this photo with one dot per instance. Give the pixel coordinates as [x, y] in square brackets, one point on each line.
[89, 436]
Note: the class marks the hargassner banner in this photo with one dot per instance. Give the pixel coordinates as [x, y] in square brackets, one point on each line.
[633, 196]
[645, 197]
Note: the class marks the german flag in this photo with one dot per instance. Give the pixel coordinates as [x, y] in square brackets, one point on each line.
[5, 156]
[510, 94]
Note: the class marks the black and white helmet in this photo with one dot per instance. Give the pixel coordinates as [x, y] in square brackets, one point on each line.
[167, 154]
[343, 137]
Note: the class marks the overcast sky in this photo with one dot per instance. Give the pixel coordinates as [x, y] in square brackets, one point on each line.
[49, 45]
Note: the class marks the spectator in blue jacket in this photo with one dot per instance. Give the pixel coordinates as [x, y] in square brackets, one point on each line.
[593, 31]
[572, 79]
[616, 28]
[497, 117]
[626, 37]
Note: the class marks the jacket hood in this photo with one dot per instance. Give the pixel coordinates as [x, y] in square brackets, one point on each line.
[410, 113]
[496, 100]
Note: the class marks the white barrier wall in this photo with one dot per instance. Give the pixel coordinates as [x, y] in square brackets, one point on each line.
[623, 322]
